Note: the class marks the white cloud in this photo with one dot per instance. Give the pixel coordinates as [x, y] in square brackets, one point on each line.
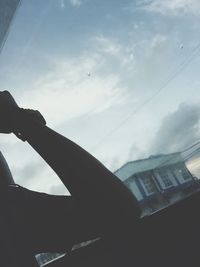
[107, 45]
[76, 3]
[115, 52]
[158, 41]
[67, 91]
[171, 7]
[62, 4]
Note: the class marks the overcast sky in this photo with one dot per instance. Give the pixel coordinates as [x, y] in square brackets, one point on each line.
[120, 78]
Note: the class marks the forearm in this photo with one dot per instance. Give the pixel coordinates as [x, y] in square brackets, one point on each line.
[81, 173]
[101, 195]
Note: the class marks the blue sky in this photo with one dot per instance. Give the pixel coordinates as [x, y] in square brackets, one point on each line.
[132, 50]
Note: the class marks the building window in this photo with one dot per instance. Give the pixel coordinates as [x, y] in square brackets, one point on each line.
[166, 180]
[184, 174]
[148, 184]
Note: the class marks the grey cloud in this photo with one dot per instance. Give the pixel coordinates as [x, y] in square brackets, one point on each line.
[135, 153]
[26, 174]
[178, 130]
[58, 189]
[114, 164]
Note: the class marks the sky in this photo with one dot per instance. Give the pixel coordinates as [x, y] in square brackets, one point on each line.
[120, 78]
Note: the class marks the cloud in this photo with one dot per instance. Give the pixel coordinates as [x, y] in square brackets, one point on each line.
[76, 3]
[62, 4]
[178, 130]
[134, 59]
[158, 41]
[27, 173]
[66, 91]
[107, 45]
[135, 153]
[171, 7]
[58, 189]
[27, 167]
[38, 176]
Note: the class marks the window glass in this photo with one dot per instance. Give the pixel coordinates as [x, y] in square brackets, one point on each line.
[148, 184]
[120, 78]
[165, 178]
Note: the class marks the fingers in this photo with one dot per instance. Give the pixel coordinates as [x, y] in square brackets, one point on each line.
[7, 102]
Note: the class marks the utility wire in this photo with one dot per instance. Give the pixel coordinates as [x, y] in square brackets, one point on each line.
[192, 154]
[164, 162]
[182, 66]
[193, 145]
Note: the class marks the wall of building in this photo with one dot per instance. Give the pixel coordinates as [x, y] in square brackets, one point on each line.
[132, 185]
[160, 187]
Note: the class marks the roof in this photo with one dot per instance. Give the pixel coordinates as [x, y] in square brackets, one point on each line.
[153, 162]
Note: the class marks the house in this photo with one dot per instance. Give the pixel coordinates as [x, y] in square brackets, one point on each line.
[158, 181]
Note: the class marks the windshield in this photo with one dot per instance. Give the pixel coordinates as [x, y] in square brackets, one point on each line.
[120, 78]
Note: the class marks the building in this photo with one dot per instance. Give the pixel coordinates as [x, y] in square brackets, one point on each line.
[158, 181]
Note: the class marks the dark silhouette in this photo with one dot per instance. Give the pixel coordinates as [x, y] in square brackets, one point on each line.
[100, 206]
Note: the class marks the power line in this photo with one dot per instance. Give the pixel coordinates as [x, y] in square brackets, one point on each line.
[184, 158]
[192, 154]
[193, 145]
[182, 66]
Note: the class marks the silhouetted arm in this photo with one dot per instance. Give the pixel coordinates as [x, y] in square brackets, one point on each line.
[80, 172]
[84, 176]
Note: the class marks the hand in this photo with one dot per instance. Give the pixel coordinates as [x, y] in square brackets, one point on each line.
[11, 115]
[8, 109]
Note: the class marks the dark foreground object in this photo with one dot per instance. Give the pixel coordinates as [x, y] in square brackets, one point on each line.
[100, 206]
[169, 237]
